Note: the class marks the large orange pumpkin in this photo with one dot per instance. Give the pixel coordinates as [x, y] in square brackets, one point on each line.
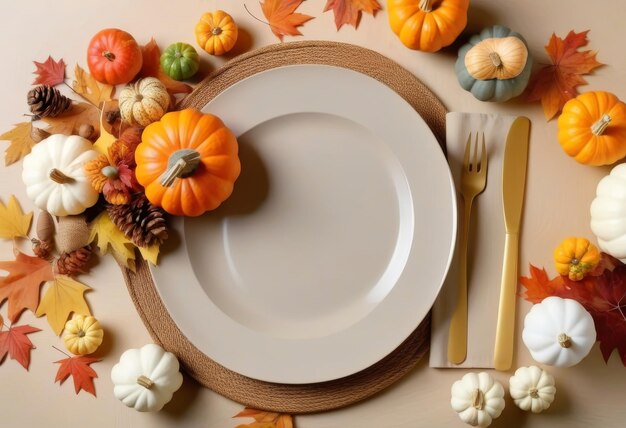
[188, 162]
[427, 25]
[114, 57]
[592, 128]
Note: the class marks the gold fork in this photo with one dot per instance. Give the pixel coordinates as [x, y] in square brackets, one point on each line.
[473, 182]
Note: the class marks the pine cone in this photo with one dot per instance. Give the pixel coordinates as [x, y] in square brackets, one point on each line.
[46, 101]
[141, 222]
[42, 249]
[74, 262]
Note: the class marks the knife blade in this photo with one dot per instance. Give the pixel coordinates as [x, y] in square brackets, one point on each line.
[513, 184]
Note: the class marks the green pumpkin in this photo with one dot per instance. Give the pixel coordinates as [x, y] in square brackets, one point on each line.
[494, 65]
[180, 61]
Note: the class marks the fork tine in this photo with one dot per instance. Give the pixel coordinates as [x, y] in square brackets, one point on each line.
[483, 157]
[475, 165]
[466, 157]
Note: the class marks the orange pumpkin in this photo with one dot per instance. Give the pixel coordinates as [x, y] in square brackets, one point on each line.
[188, 162]
[216, 32]
[114, 57]
[575, 257]
[427, 25]
[592, 128]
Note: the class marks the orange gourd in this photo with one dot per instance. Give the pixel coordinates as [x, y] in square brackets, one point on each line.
[575, 257]
[216, 32]
[592, 128]
[188, 162]
[427, 25]
[114, 57]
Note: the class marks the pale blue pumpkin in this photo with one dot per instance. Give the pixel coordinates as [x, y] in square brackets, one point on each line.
[493, 89]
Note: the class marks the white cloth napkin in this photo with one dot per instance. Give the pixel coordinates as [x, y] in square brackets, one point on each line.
[485, 248]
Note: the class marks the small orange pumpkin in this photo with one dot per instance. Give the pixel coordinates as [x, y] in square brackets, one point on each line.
[575, 257]
[188, 162]
[592, 128]
[427, 25]
[216, 32]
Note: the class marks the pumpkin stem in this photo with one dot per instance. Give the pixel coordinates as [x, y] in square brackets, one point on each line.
[426, 5]
[80, 333]
[216, 31]
[600, 126]
[58, 177]
[109, 55]
[533, 392]
[478, 399]
[182, 163]
[564, 340]
[495, 59]
[145, 381]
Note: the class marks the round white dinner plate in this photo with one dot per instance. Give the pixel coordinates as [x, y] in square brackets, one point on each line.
[337, 237]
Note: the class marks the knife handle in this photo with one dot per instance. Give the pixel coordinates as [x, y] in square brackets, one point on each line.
[505, 330]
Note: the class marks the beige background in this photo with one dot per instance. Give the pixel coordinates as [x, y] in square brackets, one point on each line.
[558, 195]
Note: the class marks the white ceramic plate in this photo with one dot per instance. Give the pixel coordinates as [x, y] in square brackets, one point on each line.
[336, 239]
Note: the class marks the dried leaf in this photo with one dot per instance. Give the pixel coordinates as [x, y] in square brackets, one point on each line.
[152, 68]
[150, 254]
[556, 83]
[21, 285]
[70, 121]
[21, 142]
[63, 297]
[264, 419]
[49, 72]
[106, 234]
[15, 343]
[349, 11]
[106, 139]
[89, 88]
[81, 372]
[13, 222]
[281, 16]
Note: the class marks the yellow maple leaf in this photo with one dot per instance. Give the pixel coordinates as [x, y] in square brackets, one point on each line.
[21, 142]
[106, 139]
[264, 419]
[13, 222]
[106, 234]
[150, 254]
[89, 88]
[70, 121]
[63, 297]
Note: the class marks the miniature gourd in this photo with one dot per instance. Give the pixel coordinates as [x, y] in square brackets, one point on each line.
[532, 389]
[216, 32]
[608, 213]
[180, 61]
[494, 65]
[558, 332]
[188, 162]
[575, 257]
[144, 101]
[114, 57]
[592, 128]
[146, 378]
[83, 335]
[54, 176]
[477, 398]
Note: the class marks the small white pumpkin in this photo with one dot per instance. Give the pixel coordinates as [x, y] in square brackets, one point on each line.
[608, 213]
[532, 389]
[146, 378]
[144, 101]
[54, 176]
[477, 398]
[558, 332]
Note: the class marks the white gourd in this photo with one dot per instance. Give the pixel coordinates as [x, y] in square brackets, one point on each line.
[477, 398]
[532, 389]
[608, 213]
[144, 101]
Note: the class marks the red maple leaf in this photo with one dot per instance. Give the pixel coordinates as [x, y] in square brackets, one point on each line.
[49, 72]
[81, 372]
[15, 343]
[556, 83]
[350, 11]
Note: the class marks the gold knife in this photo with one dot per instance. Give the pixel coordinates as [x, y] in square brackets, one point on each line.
[513, 181]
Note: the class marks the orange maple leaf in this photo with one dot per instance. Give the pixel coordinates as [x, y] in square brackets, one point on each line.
[281, 16]
[15, 343]
[21, 285]
[49, 72]
[264, 419]
[81, 372]
[152, 68]
[556, 83]
[350, 11]
[539, 286]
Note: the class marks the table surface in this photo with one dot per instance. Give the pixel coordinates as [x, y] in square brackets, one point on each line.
[559, 192]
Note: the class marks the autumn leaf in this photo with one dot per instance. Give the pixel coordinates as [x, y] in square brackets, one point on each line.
[49, 72]
[107, 236]
[152, 68]
[21, 285]
[69, 122]
[106, 139]
[150, 254]
[64, 296]
[15, 343]
[21, 142]
[81, 372]
[349, 11]
[556, 83]
[539, 286]
[90, 89]
[264, 419]
[13, 222]
[282, 18]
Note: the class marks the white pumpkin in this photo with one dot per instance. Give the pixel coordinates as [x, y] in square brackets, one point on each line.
[146, 378]
[532, 389]
[477, 398]
[608, 213]
[558, 332]
[144, 101]
[54, 176]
